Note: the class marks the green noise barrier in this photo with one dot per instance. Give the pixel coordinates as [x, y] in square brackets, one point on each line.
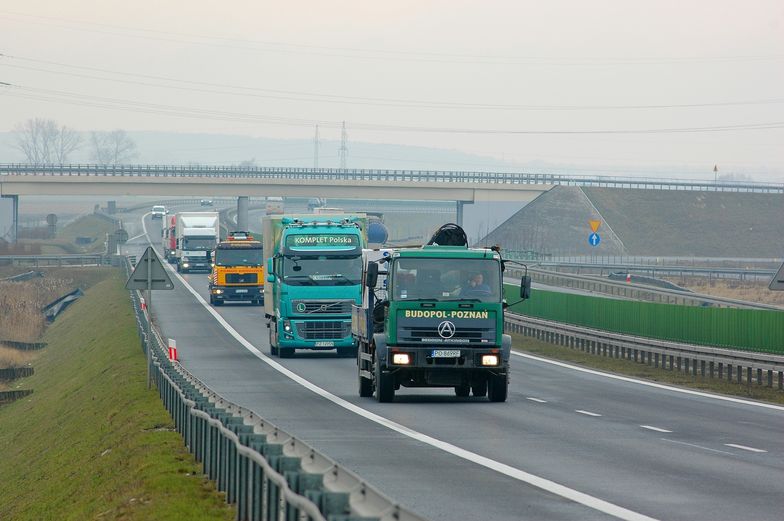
[741, 329]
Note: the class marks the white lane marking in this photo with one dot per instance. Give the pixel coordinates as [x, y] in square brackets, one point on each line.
[652, 428]
[587, 413]
[697, 446]
[137, 236]
[650, 384]
[537, 400]
[743, 447]
[545, 484]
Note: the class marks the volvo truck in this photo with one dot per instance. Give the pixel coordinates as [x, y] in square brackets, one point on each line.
[314, 265]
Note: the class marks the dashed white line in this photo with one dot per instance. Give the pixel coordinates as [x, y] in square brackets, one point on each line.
[507, 470]
[649, 384]
[743, 447]
[652, 428]
[537, 400]
[697, 446]
[588, 413]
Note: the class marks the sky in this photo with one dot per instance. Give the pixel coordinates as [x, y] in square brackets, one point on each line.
[628, 85]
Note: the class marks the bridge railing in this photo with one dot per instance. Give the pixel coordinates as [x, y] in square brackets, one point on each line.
[384, 175]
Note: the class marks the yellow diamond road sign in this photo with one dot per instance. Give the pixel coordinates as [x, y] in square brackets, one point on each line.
[595, 225]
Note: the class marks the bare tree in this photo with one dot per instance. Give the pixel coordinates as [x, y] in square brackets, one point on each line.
[112, 148]
[44, 142]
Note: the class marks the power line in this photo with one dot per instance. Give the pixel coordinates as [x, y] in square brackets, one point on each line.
[252, 91]
[373, 54]
[169, 110]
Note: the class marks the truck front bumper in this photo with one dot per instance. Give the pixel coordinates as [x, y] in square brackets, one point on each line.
[315, 334]
[195, 266]
[237, 293]
[491, 358]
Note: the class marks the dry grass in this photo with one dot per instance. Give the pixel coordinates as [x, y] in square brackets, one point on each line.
[10, 357]
[21, 319]
[753, 291]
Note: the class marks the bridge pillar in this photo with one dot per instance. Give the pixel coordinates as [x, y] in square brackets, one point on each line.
[9, 227]
[242, 213]
[459, 209]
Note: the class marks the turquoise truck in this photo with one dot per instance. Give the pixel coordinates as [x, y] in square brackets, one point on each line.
[433, 316]
[314, 265]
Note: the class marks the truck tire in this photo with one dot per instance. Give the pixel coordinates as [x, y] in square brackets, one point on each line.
[385, 385]
[497, 388]
[273, 347]
[479, 389]
[365, 385]
[462, 391]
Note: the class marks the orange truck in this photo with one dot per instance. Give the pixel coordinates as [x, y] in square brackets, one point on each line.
[238, 270]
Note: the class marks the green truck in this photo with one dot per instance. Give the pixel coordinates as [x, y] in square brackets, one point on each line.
[433, 316]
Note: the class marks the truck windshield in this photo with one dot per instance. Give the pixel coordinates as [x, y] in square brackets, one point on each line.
[239, 257]
[446, 280]
[322, 270]
[198, 243]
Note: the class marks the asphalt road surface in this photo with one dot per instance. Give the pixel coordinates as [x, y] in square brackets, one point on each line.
[568, 444]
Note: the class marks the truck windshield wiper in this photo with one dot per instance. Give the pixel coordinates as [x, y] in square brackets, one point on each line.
[464, 299]
[417, 300]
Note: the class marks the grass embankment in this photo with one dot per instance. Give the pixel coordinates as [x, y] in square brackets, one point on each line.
[752, 291]
[92, 442]
[646, 372]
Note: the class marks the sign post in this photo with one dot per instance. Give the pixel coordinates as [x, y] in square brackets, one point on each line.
[149, 274]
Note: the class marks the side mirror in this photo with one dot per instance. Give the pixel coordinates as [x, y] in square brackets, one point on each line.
[270, 271]
[371, 275]
[525, 287]
[270, 278]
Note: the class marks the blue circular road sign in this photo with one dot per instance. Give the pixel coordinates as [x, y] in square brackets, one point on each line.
[594, 239]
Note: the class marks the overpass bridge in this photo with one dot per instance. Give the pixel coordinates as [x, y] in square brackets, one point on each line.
[463, 187]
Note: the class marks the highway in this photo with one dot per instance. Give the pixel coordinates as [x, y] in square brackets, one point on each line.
[569, 443]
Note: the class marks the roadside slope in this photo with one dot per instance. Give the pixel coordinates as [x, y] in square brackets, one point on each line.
[92, 441]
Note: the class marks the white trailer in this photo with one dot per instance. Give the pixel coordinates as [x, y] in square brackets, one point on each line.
[197, 234]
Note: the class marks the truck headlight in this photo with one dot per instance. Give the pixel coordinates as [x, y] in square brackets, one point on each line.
[489, 359]
[218, 291]
[185, 264]
[401, 358]
[286, 326]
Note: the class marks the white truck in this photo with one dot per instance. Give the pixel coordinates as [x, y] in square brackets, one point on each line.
[196, 234]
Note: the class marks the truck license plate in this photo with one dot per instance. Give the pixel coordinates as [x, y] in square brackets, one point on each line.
[445, 353]
[241, 291]
[325, 344]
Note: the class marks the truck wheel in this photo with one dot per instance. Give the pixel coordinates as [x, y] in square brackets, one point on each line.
[273, 347]
[497, 388]
[463, 391]
[385, 386]
[365, 385]
[479, 388]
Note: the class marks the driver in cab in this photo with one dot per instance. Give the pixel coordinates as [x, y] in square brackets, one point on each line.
[476, 287]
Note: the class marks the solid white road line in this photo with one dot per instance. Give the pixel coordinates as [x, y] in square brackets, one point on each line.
[652, 428]
[507, 470]
[697, 446]
[588, 413]
[649, 384]
[743, 447]
[537, 400]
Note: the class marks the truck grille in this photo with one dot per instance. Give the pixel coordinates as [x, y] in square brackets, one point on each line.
[332, 307]
[323, 330]
[241, 278]
[417, 334]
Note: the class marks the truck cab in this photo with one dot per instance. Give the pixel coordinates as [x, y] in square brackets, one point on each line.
[238, 270]
[313, 278]
[434, 317]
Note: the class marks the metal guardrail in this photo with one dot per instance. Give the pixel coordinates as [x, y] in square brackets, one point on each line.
[654, 270]
[698, 360]
[639, 292]
[76, 259]
[266, 472]
[384, 175]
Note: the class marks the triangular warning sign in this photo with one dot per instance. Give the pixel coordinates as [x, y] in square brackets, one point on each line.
[777, 283]
[149, 273]
[595, 223]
